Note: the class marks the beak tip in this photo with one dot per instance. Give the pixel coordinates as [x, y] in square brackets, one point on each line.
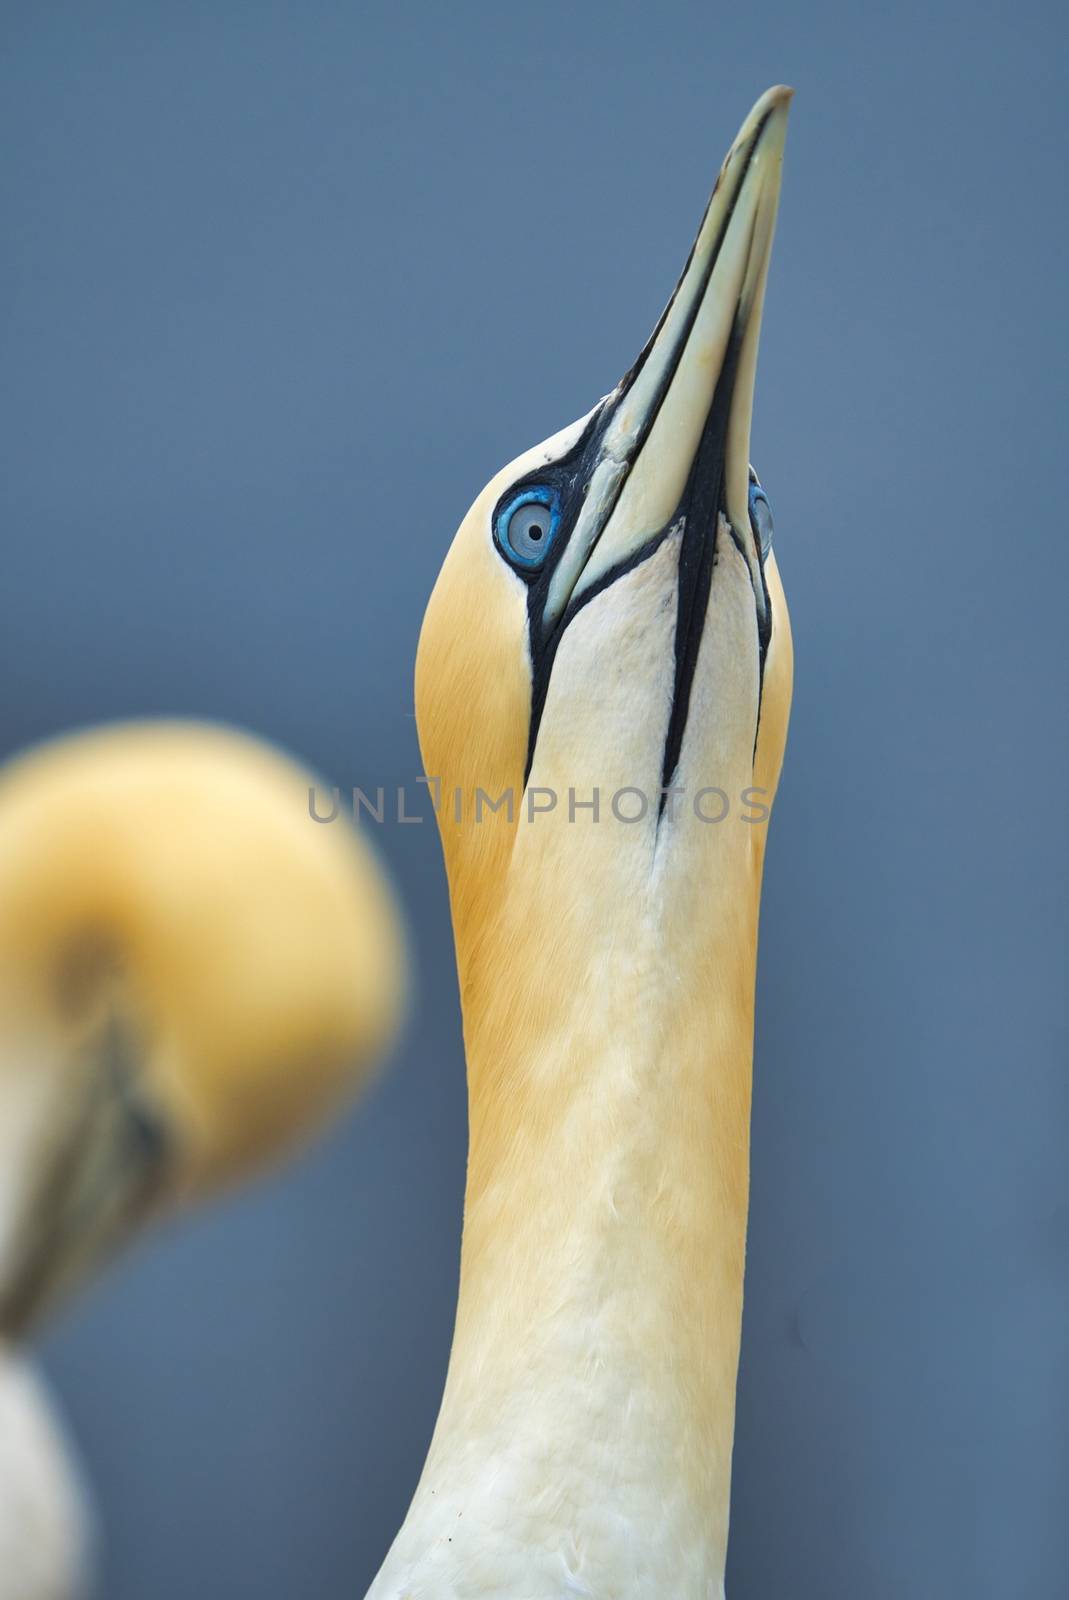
[773, 104]
[766, 123]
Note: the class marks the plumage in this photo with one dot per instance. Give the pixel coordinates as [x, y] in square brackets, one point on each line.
[46, 1533]
[632, 640]
[194, 975]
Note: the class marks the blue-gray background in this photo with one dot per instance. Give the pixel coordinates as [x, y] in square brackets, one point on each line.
[280, 287]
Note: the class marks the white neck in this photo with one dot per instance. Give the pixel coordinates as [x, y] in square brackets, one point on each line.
[584, 1440]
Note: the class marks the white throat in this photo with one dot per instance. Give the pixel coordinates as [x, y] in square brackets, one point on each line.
[584, 1440]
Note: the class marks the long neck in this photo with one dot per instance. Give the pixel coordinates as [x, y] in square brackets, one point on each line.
[589, 1410]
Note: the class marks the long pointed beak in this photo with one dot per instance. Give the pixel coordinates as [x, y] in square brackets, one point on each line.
[100, 1175]
[677, 441]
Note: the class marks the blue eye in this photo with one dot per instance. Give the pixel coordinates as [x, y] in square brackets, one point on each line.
[761, 518]
[527, 525]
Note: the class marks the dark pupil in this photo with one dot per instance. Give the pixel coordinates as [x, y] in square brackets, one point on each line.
[536, 530]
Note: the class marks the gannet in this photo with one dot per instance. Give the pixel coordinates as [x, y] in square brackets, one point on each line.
[602, 692]
[193, 975]
[46, 1530]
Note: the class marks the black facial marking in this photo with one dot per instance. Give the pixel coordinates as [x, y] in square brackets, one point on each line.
[96, 1196]
[570, 477]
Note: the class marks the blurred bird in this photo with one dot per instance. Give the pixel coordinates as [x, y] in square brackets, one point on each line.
[194, 974]
[622, 707]
[45, 1528]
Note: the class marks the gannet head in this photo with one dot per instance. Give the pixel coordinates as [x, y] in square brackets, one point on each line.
[193, 975]
[610, 618]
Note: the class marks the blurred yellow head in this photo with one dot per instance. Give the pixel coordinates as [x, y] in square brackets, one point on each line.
[193, 975]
